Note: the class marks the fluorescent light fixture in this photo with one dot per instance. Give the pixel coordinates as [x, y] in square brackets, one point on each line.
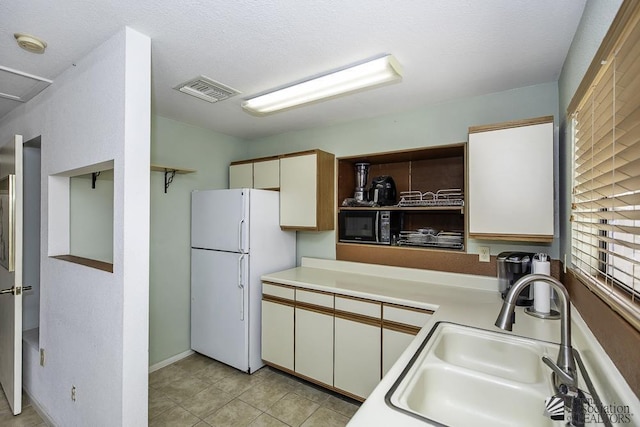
[362, 76]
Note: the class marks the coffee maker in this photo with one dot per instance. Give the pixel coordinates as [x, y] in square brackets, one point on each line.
[511, 267]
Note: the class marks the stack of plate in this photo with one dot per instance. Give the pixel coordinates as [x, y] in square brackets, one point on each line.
[449, 238]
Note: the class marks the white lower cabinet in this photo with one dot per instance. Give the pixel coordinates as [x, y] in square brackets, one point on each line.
[278, 325]
[394, 343]
[358, 346]
[400, 325]
[314, 345]
[344, 343]
[357, 357]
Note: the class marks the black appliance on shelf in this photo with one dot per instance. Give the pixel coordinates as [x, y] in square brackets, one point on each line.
[511, 267]
[383, 191]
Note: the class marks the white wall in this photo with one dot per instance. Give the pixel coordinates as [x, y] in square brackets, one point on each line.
[94, 324]
[442, 124]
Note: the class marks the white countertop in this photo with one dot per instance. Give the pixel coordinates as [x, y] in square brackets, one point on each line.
[458, 298]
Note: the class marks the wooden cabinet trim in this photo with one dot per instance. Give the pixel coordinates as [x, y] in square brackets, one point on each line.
[258, 160]
[278, 300]
[314, 308]
[400, 327]
[302, 153]
[359, 318]
[513, 237]
[280, 368]
[351, 395]
[280, 284]
[406, 307]
[511, 124]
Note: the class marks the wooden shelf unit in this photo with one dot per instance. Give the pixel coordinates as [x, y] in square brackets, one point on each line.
[425, 169]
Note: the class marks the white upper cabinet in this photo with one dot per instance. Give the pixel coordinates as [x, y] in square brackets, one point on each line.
[266, 174]
[510, 176]
[307, 191]
[241, 175]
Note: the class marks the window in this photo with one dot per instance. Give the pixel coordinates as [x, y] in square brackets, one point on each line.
[606, 170]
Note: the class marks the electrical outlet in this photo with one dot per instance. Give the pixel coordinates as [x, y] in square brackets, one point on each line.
[73, 393]
[42, 357]
[485, 254]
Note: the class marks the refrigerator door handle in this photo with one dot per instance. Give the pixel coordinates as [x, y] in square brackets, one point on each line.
[240, 232]
[241, 286]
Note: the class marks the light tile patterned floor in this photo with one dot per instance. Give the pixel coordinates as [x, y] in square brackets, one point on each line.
[198, 391]
[28, 418]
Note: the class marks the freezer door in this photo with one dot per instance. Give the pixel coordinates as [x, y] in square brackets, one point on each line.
[219, 302]
[219, 220]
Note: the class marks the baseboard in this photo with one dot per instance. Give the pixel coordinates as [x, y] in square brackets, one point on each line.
[170, 360]
[37, 406]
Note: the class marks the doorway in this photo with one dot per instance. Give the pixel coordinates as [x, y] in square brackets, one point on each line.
[31, 249]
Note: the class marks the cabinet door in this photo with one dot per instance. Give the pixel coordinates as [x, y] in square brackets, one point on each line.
[266, 174]
[314, 345]
[277, 333]
[241, 176]
[394, 343]
[357, 357]
[511, 183]
[298, 191]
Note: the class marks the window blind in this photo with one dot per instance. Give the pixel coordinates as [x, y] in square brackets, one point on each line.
[606, 176]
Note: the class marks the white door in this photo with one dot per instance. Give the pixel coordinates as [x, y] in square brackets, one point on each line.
[219, 302]
[11, 272]
[219, 220]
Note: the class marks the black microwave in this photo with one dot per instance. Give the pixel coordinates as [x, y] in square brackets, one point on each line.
[368, 226]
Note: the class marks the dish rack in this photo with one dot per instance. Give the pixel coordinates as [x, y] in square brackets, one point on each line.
[422, 238]
[446, 197]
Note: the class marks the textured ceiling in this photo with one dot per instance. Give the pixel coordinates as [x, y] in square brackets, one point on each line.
[448, 49]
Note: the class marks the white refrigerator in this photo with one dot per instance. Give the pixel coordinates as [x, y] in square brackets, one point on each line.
[235, 239]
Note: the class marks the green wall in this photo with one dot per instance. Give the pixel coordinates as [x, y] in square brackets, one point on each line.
[209, 153]
[441, 124]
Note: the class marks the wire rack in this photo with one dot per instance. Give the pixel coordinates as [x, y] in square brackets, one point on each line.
[446, 197]
[448, 240]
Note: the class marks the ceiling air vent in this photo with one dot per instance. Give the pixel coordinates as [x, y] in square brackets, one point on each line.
[204, 88]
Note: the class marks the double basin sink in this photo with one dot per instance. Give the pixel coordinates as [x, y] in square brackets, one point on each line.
[464, 376]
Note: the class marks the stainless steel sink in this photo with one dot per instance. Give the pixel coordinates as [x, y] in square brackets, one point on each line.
[463, 376]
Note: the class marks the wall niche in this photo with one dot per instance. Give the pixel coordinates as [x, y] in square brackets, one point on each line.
[81, 216]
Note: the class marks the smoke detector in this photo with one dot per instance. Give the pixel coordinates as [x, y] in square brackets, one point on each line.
[206, 89]
[30, 43]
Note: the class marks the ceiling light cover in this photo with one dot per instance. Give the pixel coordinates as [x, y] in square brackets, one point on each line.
[30, 43]
[366, 75]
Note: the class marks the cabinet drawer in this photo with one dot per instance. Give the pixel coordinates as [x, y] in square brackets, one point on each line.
[316, 298]
[406, 315]
[279, 291]
[359, 306]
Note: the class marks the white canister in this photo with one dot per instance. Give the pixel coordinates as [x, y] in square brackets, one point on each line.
[541, 290]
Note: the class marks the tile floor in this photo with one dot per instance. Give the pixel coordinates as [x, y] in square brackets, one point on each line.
[198, 391]
[28, 418]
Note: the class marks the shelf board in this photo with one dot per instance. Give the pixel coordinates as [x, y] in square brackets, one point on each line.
[403, 208]
[162, 168]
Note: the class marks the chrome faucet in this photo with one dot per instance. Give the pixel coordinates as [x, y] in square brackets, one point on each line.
[565, 367]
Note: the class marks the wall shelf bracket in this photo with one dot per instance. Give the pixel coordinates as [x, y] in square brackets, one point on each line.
[169, 173]
[94, 177]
